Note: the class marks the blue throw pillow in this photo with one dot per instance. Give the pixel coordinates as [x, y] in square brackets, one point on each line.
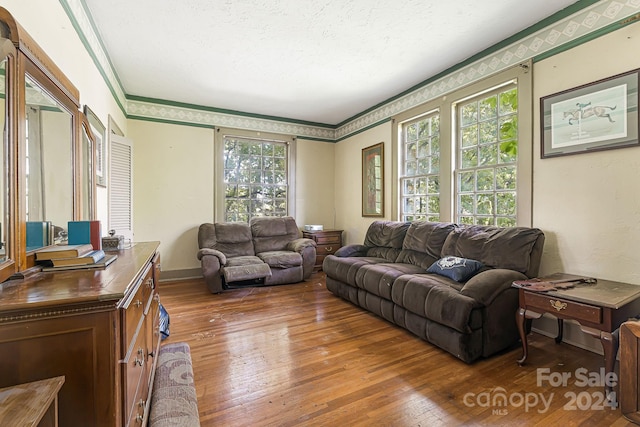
[456, 268]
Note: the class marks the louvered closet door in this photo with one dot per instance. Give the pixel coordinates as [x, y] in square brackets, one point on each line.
[121, 186]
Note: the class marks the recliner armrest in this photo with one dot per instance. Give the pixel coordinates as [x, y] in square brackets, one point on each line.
[351, 251]
[299, 244]
[485, 286]
[208, 251]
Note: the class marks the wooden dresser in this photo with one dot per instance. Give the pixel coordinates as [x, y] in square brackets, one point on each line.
[328, 242]
[97, 328]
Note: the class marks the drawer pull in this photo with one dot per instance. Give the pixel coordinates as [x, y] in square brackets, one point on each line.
[150, 283]
[558, 305]
[139, 361]
[138, 303]
[330, 249]
[139, 418]
[142, 403]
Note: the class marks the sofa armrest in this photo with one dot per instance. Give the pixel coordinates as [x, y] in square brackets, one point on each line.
[298, 245]
[485, 286]
[351, 251]
[208, 251]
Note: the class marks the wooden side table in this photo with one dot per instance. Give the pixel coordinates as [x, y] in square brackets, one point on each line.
[599, 308]
[327, 243]
[629, 372]
[31, 404]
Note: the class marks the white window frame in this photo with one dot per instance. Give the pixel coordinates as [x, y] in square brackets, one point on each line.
[219, 184]
[446, 105]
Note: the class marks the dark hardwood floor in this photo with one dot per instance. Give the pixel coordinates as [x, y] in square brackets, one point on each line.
[297, 355]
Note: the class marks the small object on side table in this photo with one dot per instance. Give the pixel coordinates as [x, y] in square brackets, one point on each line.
[113, 242]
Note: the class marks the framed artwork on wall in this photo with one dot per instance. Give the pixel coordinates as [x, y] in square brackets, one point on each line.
[373, 180]
[597, 116]
[99, 132]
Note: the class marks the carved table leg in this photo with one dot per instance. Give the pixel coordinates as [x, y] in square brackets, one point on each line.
[520, 321]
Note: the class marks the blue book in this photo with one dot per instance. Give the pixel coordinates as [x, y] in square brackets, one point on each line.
[38, 234]
[82, 232]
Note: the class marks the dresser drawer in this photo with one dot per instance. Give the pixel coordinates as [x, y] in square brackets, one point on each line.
[135, 308]
[328, 239]
[131, 317]
[560, 307]
[133, 371]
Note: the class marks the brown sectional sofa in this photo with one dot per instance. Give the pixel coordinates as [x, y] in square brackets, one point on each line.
[470, 318]
[267, 250]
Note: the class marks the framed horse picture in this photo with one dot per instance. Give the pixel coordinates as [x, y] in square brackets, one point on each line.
[597, 116]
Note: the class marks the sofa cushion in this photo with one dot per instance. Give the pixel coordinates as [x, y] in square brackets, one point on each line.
[231, 238]
[431, 296]
[345, 269]
[281, 259]
[384, 239]
[378, 278]
[510, 248]
[273, 233]
[243, 260]
[246, 272]
[456, 268]
[423, 242]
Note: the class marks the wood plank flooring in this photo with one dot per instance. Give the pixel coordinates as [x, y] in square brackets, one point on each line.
[298, 355]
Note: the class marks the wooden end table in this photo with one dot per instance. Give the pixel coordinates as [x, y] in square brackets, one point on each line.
[599, 308]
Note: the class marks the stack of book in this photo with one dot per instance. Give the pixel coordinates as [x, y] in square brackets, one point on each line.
[69, 257]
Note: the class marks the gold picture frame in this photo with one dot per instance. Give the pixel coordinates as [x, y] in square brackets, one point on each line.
[373, 180]
[99, 133]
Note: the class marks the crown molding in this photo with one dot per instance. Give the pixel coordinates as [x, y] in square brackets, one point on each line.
[203, 117]
[594, 19]
[568, 31]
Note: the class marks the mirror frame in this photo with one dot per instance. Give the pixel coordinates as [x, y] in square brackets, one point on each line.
[85, 128]
[27, 57]
[9, 266]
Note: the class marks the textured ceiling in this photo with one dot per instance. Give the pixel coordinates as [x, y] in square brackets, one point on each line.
[315, 60]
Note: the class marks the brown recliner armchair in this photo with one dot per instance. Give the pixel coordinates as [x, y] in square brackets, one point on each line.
[267, 251]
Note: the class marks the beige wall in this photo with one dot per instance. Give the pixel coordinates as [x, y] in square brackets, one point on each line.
[172, 188]
[315, 181]
[587, 204]
[348, 183]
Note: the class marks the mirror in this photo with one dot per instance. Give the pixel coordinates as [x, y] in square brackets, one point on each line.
[49, 165]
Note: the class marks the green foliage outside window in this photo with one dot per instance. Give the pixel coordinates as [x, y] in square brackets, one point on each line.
[255, 176]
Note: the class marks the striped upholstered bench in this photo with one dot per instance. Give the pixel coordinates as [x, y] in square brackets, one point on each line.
[173, 400]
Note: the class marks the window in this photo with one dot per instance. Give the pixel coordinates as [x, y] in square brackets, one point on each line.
[256, 176]
[467, 157]
[420, 171]
[487, 147]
